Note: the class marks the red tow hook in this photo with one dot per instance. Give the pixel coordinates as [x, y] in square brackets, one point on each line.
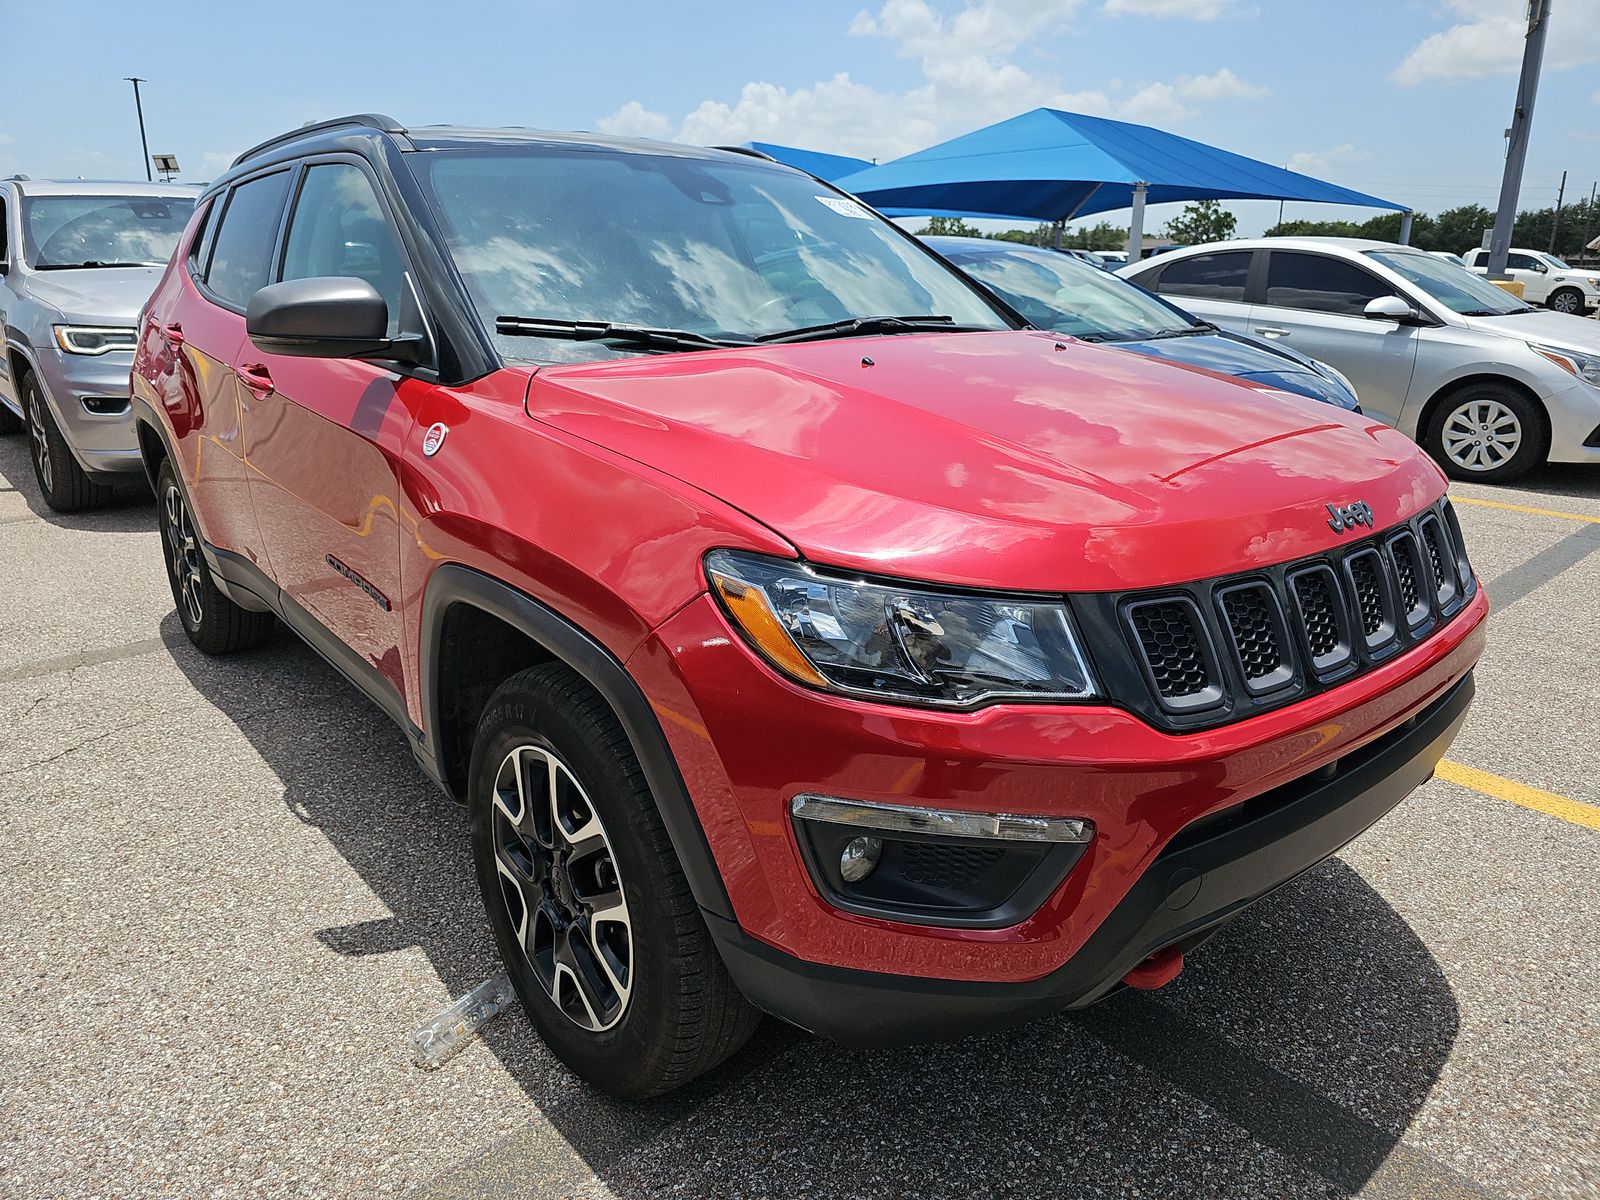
[1160, 969]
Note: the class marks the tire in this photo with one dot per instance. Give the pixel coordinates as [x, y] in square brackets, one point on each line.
[214, 623]
[636, 1004]
[65, 486]
[1566, 300]
[1487, 433]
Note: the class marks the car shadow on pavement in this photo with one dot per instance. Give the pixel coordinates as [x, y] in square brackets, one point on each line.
[130, 509]
[1287, 1059]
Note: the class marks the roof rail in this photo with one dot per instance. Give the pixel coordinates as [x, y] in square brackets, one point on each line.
[364, 120]
[748, 150]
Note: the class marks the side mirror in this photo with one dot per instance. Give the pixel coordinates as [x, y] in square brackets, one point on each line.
[326, 317]
[1390, 308]
[1541, 268]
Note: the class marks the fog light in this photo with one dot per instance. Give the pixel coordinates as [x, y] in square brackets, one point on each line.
[860, 858]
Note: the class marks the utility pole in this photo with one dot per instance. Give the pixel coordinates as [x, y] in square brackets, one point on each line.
[139, 106]
[1517, 135]
[1555, 226]
[1588, 216]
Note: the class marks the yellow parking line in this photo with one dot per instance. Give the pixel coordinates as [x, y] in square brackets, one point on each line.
[1523, 508]
[1573, 811]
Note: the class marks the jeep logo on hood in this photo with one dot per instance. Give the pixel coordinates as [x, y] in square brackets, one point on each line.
[1348, 516]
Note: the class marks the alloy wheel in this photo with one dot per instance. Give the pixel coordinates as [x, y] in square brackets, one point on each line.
[1482, 435]
[183, 550]
[41, 443]
[1566, 302]
[562, 889]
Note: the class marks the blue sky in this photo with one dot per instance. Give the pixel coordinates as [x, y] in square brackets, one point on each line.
[1401, 98]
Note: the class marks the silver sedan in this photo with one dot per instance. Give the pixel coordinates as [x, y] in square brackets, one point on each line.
[1490, 386]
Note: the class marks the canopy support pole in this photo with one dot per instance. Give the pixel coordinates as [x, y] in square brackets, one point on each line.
[1061, 225]
[1405, 227]
[1136, 226]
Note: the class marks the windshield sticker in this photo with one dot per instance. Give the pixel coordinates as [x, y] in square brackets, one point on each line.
[845, 208]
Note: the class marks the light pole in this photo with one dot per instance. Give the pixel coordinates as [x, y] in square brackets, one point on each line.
[139, 106]
[1517, 151]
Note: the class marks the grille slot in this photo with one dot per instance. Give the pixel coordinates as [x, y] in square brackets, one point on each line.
[1255, 629]
[1441, 558]
[1321, 609]
[1369, 588]
[1415, 602]
[1175, 655]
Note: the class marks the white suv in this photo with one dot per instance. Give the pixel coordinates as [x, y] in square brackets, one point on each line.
[1488, 385]
[1545, 279]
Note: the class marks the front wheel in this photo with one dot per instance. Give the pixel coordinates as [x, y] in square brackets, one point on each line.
[65, 486]
[1566, 300]
[590, 910]
[1487, 433]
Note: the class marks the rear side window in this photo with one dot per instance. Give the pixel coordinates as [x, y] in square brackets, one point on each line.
[339, 228]
[1320, 284]
[241, 255]
[5, 232]
[1207, 276]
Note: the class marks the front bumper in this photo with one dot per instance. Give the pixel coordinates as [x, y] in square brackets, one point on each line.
[1207, 875]
[1574, 422]
[88, 395]
[747, 742]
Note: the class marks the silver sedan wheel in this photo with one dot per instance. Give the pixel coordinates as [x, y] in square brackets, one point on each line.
[562, 888]
[1482, 435]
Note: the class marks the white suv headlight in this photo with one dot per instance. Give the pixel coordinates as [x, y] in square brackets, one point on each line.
[95, 339]
[1585, 366]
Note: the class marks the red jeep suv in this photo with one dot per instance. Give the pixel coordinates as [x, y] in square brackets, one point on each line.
[804, 634]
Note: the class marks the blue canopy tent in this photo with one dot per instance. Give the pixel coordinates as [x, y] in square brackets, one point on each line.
[814, 162]
[1048, 165]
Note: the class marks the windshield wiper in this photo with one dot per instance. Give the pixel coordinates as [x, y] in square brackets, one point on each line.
[861, 326]
[607, 331]
[93, 262]
[1496, 312]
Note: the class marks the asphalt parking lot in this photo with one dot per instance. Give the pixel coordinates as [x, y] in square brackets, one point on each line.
[227, 897]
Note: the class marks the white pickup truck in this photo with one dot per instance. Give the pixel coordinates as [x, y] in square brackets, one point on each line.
[1545, 279]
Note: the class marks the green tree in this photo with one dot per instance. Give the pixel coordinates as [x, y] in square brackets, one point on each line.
[1202, 221]
[1102, 236]
[948, 227]
[1461, 229]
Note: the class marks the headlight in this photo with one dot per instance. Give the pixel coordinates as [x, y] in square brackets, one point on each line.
[911, 644]
[1584, 366]
[94, 339]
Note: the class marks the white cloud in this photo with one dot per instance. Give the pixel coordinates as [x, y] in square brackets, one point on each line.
[1315, 162]
[635, 120]
[969, 80]
[1487, 39]
[213, 163]
[1193, 10]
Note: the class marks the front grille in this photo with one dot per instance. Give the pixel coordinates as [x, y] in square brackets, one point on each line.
[1222, 649]
[1170, 637]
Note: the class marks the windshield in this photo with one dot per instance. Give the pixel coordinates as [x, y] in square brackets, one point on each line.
[1058, 291]
[85, 231]
[1551, 261]
[1457, 288]
[726, 250]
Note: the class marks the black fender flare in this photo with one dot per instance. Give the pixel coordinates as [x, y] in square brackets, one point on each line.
[453, 583]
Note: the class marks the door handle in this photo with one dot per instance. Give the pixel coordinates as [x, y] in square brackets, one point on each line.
[173, 333]
[255, 377]
[1273, 331]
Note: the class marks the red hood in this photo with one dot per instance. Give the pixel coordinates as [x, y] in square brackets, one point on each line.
[996, 460]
